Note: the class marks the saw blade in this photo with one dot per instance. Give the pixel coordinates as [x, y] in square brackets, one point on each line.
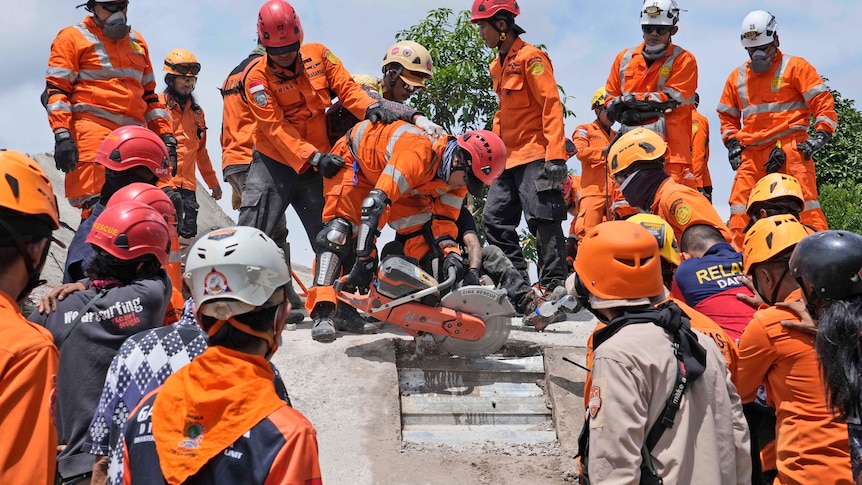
[493, 307]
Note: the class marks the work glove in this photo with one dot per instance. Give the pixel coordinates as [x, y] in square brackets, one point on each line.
[362, 272]
[811, 145]
[328, 164]
[632, 102]
[65, 151]
[707, 192]
[776, 160]
[556, 172]
[632, 117]
[472, 277]
[453, 260]
[376, 112]
[734, 153]
[431, 128]
[171, 143]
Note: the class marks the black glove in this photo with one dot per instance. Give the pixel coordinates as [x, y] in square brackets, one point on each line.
[328, 164]
[376, 112]
[472, 277]
[811, 145]
[632, 117]
[362, 272]
[776, 160]
[632, 102]
[65, 151]
[453, 260]
[734, 153]
[171, 143]
[556, 172]
[707, 192]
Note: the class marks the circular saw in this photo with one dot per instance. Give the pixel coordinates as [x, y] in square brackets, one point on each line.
[493, 307]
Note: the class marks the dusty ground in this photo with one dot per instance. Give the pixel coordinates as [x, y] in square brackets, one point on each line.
[349, 390]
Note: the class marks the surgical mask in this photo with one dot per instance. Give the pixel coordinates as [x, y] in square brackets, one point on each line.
[115, 26]
[760, 61]
[653, 52]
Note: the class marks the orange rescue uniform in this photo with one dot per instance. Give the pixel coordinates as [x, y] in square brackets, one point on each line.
[28, 388]
[95, 85]
[811, 446]
[529, 120]
[190, 130]
[760, 110]
[401, 160]
[682, 206]
[673, 77]
[289, 113]
[598, 192]
[700, 149]
[237, 131]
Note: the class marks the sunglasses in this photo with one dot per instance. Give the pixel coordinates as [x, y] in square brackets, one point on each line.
[115, 7]
[280, 51]
[186, 68]
[658, 29]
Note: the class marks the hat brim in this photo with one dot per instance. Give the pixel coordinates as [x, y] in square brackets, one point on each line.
[413, 79]
[475, 186]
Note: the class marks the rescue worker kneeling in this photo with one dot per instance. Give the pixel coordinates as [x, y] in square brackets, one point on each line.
[399, 174]
[662, 406]
[637, 164]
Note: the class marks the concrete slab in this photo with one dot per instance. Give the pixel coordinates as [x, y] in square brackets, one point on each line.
[565, 385]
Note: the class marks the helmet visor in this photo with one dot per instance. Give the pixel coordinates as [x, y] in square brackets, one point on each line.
[185, 68]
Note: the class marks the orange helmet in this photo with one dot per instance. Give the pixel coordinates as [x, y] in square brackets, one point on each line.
[488, 9]
[773, 186]
[487, 158]
[181, 62]
[132, 146]
[278, 26]
[148, 195]
[769, 237]
[25, 190]
[129, 230]
[618, 260]
[663, 234]
[638, 145]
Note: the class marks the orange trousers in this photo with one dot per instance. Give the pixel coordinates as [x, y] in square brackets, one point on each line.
[752, 169]
[85, 182]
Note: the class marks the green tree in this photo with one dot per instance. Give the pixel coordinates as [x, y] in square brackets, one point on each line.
[839, 168]
[839, 163]
[460, 96]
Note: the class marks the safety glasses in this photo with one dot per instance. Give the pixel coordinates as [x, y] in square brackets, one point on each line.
[186, 68]
[658, 29]
[115, 7]
[280, 51]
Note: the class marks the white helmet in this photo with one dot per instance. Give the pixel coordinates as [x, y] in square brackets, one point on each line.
[234, 270]
[759, 28]
[660, 12]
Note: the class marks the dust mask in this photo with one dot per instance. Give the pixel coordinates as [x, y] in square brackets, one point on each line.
[653, 52]
[115, 26]
[760, 61]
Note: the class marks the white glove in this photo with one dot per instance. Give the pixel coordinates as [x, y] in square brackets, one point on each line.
[429, 126]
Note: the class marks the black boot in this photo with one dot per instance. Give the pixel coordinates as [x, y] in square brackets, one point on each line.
[348, 320]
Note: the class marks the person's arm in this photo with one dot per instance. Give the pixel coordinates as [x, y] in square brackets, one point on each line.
[62, 72]
[156, 115]
[816, 95]
[474, 250]
[203, 159]
[729, 111]
[756, 355]
[28, 449]
[350, 93]
[590, 156]
[618, 413]
[540, 80]
[297, 461]
[741, 436]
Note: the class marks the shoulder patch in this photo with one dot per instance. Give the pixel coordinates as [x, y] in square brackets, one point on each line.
[594, 410]
[694, 128]
[681, 212]
[136, 47]
[665, 71]
[261, 99]
[537, 69]
[581, 133]
[332, 58]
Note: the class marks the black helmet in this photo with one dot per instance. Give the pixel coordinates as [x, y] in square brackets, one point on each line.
[831, 262]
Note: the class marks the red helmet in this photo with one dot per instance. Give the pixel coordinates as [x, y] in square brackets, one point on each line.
[148, 195]
[487, 9]
[129, 230]
[134, 146]
[278, 25]
[487, 157]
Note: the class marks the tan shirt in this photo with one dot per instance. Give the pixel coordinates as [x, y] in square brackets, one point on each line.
[632, 376]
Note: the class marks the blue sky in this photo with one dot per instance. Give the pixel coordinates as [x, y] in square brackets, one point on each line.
[582, 39]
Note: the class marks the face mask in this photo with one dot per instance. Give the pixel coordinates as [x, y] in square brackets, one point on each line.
[760, 61]
[115, 26]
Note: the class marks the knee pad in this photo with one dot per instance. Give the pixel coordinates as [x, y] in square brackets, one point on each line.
[333, 247]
